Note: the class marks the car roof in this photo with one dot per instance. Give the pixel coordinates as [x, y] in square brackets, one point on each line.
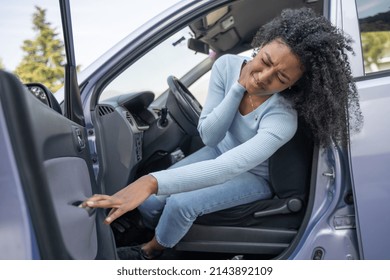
[231, 28]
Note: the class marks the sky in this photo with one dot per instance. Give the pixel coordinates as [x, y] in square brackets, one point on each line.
[372, 7]
[93, 24]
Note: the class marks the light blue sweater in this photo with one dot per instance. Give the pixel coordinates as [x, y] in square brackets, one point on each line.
[244, 142]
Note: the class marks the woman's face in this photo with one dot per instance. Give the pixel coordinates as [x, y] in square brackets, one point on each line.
[274, 69]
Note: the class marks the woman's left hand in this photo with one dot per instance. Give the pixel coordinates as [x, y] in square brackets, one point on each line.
[124, 200]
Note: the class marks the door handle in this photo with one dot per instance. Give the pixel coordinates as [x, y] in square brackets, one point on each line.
[79, 204]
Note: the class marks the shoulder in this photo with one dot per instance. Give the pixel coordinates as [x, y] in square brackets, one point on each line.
[228, 68]
[277, 101]
[230, 60]
[281, 116]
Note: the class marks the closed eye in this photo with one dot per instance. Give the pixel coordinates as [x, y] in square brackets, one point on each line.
[266, 63]
[281, 79]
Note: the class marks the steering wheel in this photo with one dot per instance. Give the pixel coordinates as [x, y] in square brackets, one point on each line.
[189, 106]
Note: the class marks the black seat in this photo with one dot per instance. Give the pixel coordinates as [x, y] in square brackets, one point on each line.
[266, 226]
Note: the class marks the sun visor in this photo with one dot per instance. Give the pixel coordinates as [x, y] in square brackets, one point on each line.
[225, 41]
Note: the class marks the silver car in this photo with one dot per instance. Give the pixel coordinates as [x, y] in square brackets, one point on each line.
[115, 121]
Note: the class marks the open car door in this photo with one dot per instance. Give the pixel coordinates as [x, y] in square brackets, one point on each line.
[53, 161]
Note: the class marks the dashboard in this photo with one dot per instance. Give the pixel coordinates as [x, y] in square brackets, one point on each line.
[130, 139]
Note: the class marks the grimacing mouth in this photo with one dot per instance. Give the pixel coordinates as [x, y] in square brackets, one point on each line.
[259, 84]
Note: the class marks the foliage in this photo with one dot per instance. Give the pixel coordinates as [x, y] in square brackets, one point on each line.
[376, 45]
[44, 57]
[1, 64]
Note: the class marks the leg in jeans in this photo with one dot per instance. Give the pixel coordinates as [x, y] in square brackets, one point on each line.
[152, 208]
[182, 209]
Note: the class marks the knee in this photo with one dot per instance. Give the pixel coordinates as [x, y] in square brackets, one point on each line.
[181, 205]
[151, 211]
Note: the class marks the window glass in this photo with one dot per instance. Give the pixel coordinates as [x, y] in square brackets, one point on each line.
[374, 22]
[200, 88]
[171, 57]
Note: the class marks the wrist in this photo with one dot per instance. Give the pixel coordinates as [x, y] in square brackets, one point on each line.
[151, 183]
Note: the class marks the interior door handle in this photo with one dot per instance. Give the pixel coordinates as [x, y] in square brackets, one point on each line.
[79, 204]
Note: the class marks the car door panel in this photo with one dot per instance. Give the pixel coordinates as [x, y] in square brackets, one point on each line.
[65, 155]
[371, 169]
[369, 150]
[56, 174]
[77, 225]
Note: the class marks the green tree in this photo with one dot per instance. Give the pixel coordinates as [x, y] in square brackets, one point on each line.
[44, 57]
[1, 64]
[376, 45]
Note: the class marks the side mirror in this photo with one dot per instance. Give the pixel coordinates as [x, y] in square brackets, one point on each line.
[198, 46]
[43, 94]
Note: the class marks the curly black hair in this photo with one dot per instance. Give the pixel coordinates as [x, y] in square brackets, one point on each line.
[325, 96]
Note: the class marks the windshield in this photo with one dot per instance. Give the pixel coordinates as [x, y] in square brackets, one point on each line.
[150, 72]
[98, 25]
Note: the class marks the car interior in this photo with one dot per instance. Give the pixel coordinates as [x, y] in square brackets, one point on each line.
[136, 133]
[154, 139]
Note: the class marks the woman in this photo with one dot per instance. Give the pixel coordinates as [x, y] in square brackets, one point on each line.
[299, 68]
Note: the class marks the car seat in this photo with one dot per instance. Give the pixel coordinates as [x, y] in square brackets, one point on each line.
[266, 226]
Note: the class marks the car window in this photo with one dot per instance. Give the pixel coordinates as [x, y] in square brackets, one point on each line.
[374, 23]
[150, 72]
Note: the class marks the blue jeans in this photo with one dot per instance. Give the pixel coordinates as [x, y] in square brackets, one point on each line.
[172, 216]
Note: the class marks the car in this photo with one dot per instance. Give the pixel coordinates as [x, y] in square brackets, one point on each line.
[135, 110]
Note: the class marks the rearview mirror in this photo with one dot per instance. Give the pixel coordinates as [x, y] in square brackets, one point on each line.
[198, 46]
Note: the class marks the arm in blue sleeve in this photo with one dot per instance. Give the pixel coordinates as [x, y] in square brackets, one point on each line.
[275, 130]
[219, 109]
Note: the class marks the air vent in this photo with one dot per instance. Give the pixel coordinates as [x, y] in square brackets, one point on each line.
[105, 110]
[128, 117]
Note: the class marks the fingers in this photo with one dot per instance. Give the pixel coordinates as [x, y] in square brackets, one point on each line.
[121, 202]
[114, 214]
[101, 201]
[106, 201]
